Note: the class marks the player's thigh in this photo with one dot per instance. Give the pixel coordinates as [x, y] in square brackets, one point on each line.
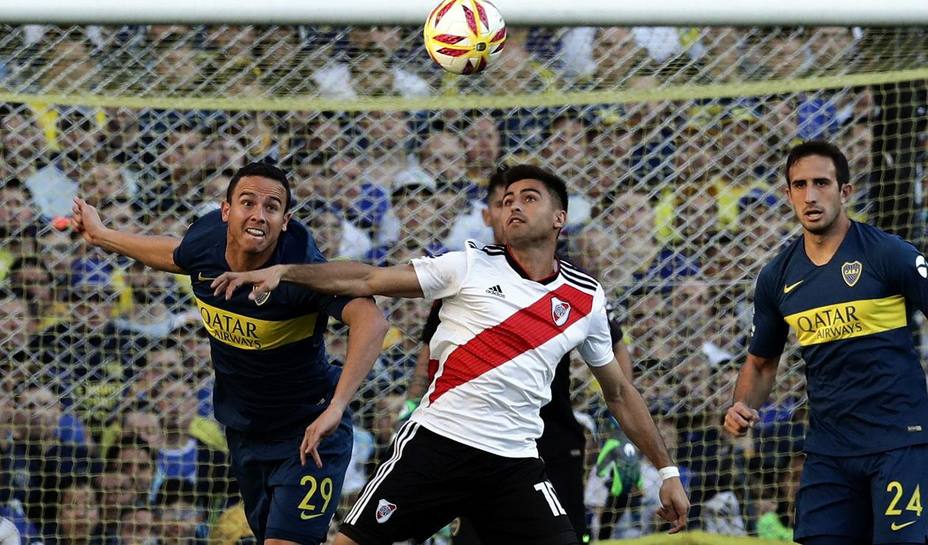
[901, 475]
[521, 507]
[252, 475]
[833, 500]
[566, 474]
[304, 498]
[417, 491]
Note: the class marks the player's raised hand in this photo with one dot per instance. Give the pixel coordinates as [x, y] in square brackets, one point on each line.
[324, 425]
[674, 504]
[263, 280]
[740, 418]
[86, 221]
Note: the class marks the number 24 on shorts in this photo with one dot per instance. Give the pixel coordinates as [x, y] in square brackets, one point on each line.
[914, 504]
[308, 510]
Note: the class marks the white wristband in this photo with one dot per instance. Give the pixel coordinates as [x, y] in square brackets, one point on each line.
[669, 472]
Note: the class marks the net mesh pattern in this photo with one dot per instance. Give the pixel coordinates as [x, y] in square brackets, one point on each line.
[672, 141]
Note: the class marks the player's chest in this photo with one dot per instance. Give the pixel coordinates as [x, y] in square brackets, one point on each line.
[844, 299]
[524, 309]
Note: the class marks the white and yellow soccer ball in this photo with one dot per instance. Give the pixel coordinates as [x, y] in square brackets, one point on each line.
[464, 36]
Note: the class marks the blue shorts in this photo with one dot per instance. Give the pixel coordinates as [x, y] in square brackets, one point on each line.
[283, 499]
[875, 496]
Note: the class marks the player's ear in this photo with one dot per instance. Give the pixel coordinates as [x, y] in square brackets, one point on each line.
[485, 214]
[846, 191]
[287, 217]
[224, 208]
[560, 219]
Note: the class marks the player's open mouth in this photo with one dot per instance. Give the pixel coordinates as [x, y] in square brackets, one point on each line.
[255, 232]
[813, 214]
[515, 220]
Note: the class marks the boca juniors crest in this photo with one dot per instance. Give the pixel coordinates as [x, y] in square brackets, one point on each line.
[560, 311]
[851, 272]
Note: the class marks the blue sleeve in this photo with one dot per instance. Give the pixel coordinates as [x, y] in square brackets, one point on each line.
[906, 272]
[769, 329]
[182, 254]
[187, 250]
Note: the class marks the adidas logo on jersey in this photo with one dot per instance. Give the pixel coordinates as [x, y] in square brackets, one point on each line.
[496, 290]
[385, 510]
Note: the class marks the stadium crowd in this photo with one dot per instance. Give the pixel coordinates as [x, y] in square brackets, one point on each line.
[106, 430]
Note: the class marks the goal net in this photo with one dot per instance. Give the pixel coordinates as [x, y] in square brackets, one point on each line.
[672, 141]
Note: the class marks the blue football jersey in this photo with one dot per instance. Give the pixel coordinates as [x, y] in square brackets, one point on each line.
[269, 357]
[851, 317]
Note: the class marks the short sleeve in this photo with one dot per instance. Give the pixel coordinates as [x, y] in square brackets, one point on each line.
[442, 276]
[769, 329]
[596, 349]
[182, 255]
[906, 270]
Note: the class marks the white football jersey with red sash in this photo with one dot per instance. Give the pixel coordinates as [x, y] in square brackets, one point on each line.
[500, 339]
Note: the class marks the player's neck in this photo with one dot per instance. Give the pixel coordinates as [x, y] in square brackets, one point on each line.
[243, 261]
[820, 248]
[536, 260]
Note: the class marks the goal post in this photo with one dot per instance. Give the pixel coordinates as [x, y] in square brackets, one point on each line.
[672, 139]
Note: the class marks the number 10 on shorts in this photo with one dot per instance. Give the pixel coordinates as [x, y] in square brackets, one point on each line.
[547, 490]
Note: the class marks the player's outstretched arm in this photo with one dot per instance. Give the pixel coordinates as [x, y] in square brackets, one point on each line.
[348, 278]
[366, 329]
[755, 382]
[628, 407]
[155, 251]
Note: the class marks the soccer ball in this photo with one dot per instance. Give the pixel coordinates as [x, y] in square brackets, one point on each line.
[464, 36]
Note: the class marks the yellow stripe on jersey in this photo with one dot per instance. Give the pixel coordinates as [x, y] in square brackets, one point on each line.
[848, 320]
[250, 333]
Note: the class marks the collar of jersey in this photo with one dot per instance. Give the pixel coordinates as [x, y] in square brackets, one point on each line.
[518, 268]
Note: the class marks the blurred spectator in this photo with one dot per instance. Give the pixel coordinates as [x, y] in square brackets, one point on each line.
[18, 214]
[183, 456]
[102, 182]
[38, 464]
[78, 139]
[619, 262]
[648, 311]
[484, 143]
[32, 282]
[132, 455]
[566, 151]
[179, 516]
[14, 323]
[417, 226]
[56, 249]
[151, 317]
[231, 528]
[386, 138]
[85, 354]
[113, 495]
[136, 526]
[369, 70]
[762, 230]
[78, 515]
[693, 325]
[22, 144]
[336, 237]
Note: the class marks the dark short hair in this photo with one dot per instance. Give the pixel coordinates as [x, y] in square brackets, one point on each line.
[496, 181]
[823, 149]
[261, 170]
[127, 441]
[175, 490]
[556, 187]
